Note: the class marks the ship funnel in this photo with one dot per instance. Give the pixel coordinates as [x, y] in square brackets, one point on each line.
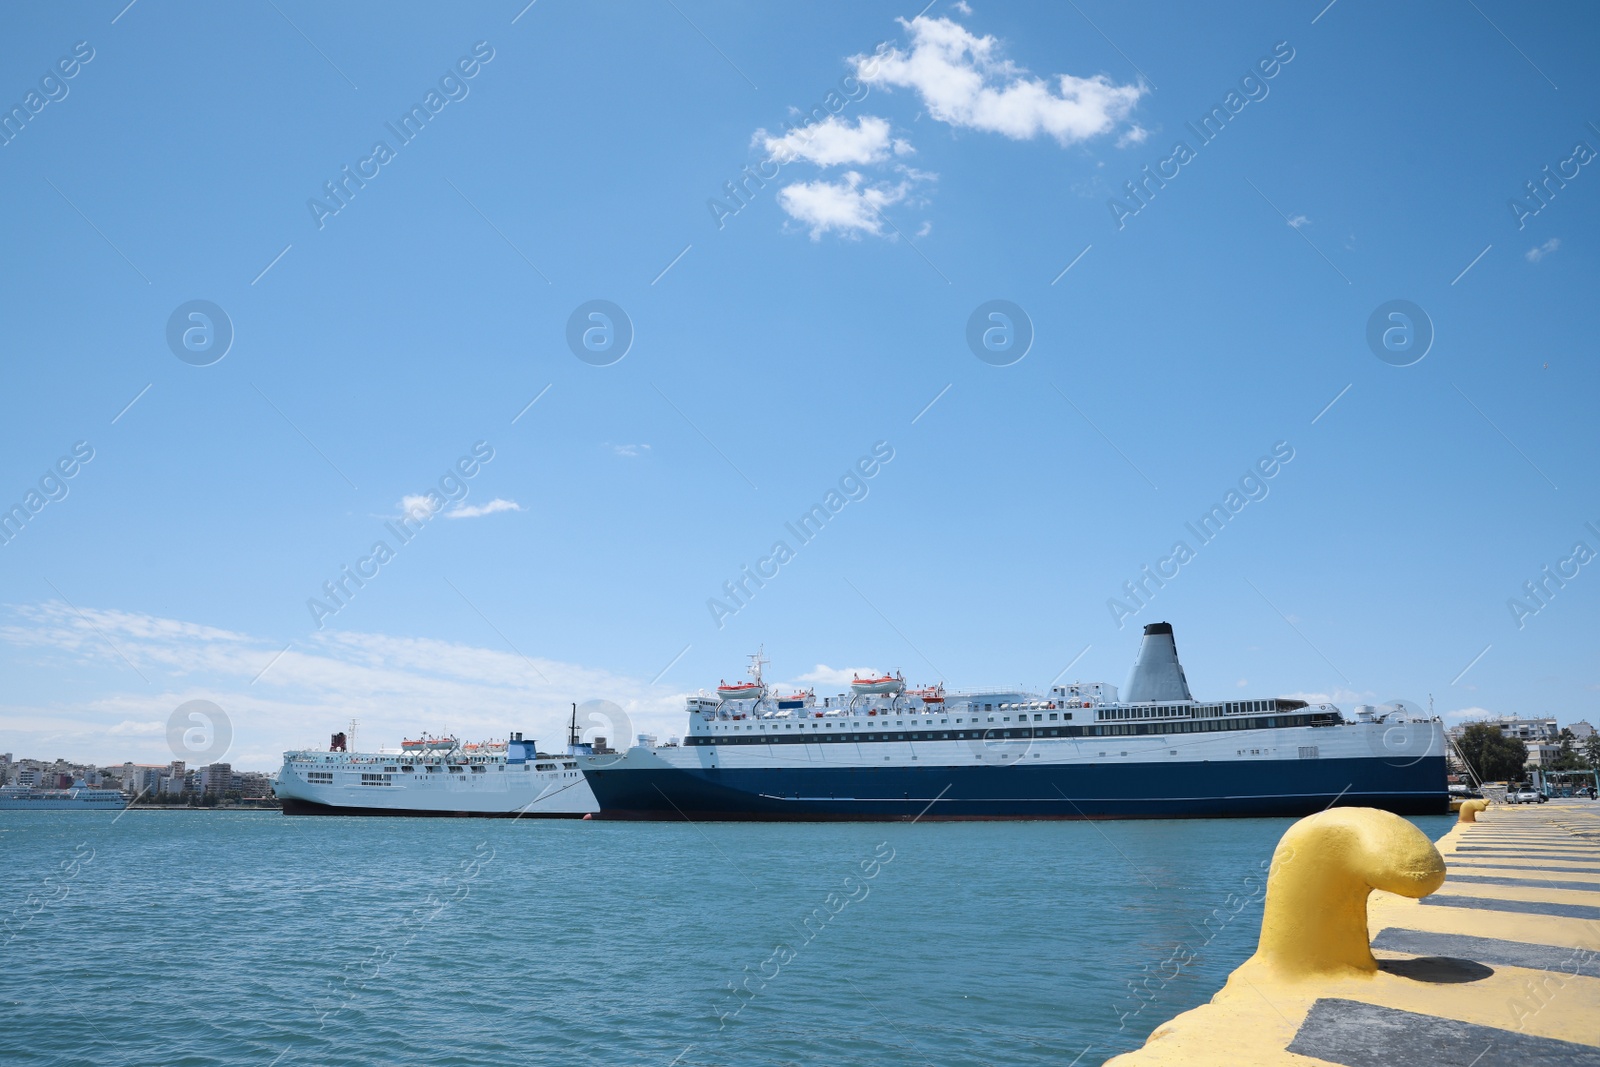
[1157, 674]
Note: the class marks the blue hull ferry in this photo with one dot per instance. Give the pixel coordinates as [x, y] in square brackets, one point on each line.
[884, 752]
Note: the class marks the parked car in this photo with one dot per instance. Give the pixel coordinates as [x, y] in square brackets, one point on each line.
[1529, 796]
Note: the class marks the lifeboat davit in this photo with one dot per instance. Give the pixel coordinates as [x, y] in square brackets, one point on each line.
[881, 686]
[741, 691]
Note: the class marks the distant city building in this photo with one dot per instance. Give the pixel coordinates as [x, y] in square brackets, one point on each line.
[253, 785]
[216, 779]
[140, 778]
[1528, 731]
[1581, 731]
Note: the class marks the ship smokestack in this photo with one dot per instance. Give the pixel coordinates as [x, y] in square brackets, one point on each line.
[1157, 674]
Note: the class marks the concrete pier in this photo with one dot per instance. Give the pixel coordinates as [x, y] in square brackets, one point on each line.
[1379, 948]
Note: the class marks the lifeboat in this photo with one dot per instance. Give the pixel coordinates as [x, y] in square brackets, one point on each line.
[412, 746]
[741, 690]
[930, 694]
[881, 686]
[790, 701]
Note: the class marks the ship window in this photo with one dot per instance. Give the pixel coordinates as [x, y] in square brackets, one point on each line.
[989, 707]
[1052, 716]
[1068, 715]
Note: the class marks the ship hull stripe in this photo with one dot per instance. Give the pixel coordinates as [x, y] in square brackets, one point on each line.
[296, 806]
[1259, 788]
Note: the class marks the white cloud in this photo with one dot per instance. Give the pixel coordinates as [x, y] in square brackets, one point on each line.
[1135, 134]
[925, 229]
[963, 7]
[966, 81]
[833, 141]
[629, 451]
[1299, 221]
[1242, 682]
[418, 506]
[1468, 714]
[837, 678]
[1534, 255]
[394, 685]
[129, 728]
[848, 207]
[497, 504]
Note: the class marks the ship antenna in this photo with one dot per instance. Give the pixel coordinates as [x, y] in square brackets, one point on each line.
[352, 740]
[756, 663]
[572, 731]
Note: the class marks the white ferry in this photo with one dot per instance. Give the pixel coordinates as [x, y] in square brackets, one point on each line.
[884, 752]
[436, 776]
[79, 798]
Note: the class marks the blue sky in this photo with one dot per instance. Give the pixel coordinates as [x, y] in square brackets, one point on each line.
[967, 155]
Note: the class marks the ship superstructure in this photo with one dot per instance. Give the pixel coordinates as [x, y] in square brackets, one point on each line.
[887, 751]
[435, 776]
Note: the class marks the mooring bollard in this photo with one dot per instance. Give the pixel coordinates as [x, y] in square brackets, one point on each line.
[1470, 810]
[1315, 918]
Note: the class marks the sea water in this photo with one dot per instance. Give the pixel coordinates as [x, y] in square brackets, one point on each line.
[201, 938]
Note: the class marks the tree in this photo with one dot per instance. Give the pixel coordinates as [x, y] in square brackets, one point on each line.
[1491, 754]
[1591, 750]
[1567, 759]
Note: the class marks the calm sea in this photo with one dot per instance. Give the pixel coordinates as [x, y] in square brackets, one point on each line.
[251, 938]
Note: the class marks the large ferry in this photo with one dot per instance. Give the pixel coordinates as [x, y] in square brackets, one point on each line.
[436, 776]
[884, 751]
[79, 798]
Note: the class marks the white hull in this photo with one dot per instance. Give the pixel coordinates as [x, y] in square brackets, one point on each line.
[356, 786]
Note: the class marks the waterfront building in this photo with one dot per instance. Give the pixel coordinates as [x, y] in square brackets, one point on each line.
[216, 780]
[253, 785]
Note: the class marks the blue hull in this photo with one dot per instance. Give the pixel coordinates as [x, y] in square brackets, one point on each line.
[1170, 791]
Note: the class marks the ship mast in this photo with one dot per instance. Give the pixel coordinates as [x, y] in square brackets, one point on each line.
[756, 663]
[572, 730]
[351, 741]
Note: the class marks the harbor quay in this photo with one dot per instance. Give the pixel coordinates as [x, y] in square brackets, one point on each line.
[1379, 947]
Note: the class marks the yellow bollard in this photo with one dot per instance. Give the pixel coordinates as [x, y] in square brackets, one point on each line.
[1469, 810]
[1315, 920]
